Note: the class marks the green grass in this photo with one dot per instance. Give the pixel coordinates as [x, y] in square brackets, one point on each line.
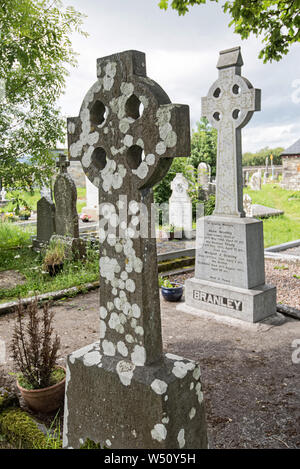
[13, 236]
[29, 263]
[284, 228]
[33, 199]
[81, 199]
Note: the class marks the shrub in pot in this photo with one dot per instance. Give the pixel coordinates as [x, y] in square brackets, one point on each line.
[169, 230]
[34, 349]
[24, 214]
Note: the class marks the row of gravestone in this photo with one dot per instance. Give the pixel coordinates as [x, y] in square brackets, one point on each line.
[180, 204]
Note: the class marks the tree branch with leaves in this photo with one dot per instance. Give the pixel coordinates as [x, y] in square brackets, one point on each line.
[35, 55]
[277, 21]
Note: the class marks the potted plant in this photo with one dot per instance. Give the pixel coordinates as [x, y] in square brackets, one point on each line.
[171, 291]
[169, 229]
[34, 349]
[85, 217]
[54, 257]
[24, 213]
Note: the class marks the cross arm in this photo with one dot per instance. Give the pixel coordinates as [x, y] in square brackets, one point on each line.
[74, 129]
[173, 121]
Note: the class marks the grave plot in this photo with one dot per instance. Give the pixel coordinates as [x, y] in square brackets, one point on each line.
[248, 376]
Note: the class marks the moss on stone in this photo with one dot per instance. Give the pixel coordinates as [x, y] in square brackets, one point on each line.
[90, 444]
[21, 430]
[172, 264]
[7, 399]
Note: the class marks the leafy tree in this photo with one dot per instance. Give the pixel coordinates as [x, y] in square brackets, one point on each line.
[278, 21]
[35, 51]
[204, 145]
[203, 148]
[259, 158]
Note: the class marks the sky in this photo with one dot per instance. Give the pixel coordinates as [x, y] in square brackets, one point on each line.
[181, 55]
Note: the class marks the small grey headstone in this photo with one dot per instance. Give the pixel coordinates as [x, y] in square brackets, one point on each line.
[45, 220]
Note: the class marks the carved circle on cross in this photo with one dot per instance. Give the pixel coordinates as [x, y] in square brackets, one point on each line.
[127, 129]
[230, 99]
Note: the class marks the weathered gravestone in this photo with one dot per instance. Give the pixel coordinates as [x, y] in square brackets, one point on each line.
[180, 206]
[255, 181]
[266, 173]
[229, 273]
[65, 195]
[247, 203]
[45, 221]
[122, 391]
[66, 216]
[204, 174]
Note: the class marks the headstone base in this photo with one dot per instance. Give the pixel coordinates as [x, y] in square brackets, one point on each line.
[251, 305]
[122, 406]
[74, 247]
[39, 245]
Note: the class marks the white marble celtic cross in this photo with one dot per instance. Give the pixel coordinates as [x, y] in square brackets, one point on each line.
[125, 136]
[229, 105]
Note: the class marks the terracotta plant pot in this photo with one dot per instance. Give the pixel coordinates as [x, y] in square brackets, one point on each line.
[44, 400]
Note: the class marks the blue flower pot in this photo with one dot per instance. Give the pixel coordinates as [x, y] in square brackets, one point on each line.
[172, 294]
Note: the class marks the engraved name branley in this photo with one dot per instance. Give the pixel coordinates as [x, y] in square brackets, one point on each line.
[217, 300]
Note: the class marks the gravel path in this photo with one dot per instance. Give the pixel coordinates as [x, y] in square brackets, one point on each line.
[250, 382]
[284, 275]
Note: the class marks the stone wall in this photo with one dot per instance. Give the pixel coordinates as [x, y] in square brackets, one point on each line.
[252, 169]
[291, 172]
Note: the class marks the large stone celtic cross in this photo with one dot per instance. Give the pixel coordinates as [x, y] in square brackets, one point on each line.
[229, 105]
[125, 136]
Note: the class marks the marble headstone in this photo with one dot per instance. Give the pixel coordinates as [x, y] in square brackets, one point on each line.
[255, 181]
[180, 205]
[247, 202]
[3, 195]
[229, 273]
[123, 391]
[204, 174]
